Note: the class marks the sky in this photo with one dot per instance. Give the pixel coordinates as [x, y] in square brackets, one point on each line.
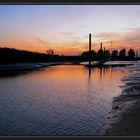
[65, 28]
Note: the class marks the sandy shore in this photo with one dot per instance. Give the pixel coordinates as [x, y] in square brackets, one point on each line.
[124, 119]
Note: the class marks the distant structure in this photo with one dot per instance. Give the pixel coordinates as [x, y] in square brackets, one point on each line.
[90, 42]
[137, 54]
[104, 49]
[104, 53]
[111, 50]
[111, 46]
[90, 49]
[101, 45]
[101, 52]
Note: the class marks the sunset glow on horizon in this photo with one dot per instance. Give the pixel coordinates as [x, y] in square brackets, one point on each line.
[65, 28]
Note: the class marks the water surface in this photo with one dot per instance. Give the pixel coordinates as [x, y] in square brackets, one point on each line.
[58, 100]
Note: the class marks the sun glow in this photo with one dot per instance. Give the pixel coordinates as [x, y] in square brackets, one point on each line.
[65, 28]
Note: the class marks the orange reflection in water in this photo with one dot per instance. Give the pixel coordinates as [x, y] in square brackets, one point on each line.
[74, 84]
[81, 73]
[64, 99]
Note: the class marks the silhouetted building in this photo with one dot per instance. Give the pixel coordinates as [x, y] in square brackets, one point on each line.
[100, 52]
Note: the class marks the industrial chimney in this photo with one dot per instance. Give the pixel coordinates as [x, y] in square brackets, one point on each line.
[90, 42]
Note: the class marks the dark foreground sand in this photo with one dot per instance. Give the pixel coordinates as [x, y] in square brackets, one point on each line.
[124, 119]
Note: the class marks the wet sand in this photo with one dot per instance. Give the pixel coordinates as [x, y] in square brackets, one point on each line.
[124, 119]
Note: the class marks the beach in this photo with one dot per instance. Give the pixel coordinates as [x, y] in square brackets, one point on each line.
[123, 120]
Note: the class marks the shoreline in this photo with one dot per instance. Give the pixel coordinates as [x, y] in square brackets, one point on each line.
[121, 104]
[34, 65]
[26, 66]
[123, 120]
[124, 117]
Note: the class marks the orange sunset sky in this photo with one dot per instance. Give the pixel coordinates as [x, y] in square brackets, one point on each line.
[65, 28]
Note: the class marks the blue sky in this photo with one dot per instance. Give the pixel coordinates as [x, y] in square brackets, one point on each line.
[65, 28]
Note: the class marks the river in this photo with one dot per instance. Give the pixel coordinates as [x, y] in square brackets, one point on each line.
[58, 100]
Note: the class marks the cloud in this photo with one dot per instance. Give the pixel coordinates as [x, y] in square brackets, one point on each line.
[133, 36]
[41, 40]
[69, 51]
[107, 35]
[70, 35]
[130, 38]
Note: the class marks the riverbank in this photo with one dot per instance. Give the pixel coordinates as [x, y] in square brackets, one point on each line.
[30, 66]
[26, 66]
[123, 120]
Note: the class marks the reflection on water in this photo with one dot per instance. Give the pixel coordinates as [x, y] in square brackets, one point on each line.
[14, 73]
[103, 71]
[58, 100]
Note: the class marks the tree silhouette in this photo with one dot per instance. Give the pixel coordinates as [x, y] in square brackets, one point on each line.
[106, 54]
[90, 55]
[122, 54]
[87, 53]
[114, 54]
[131, 54]
[50, 52]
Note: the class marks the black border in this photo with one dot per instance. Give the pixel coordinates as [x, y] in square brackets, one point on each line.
[43, 2]
[70, 2]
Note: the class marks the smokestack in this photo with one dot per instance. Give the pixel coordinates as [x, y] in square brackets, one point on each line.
[104, 49]
[90, 42]
[101, 46]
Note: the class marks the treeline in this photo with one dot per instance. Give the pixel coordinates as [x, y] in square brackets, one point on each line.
[114, 55]
[11, 55]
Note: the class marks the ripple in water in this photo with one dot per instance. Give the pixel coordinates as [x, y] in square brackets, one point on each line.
[59, 100]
